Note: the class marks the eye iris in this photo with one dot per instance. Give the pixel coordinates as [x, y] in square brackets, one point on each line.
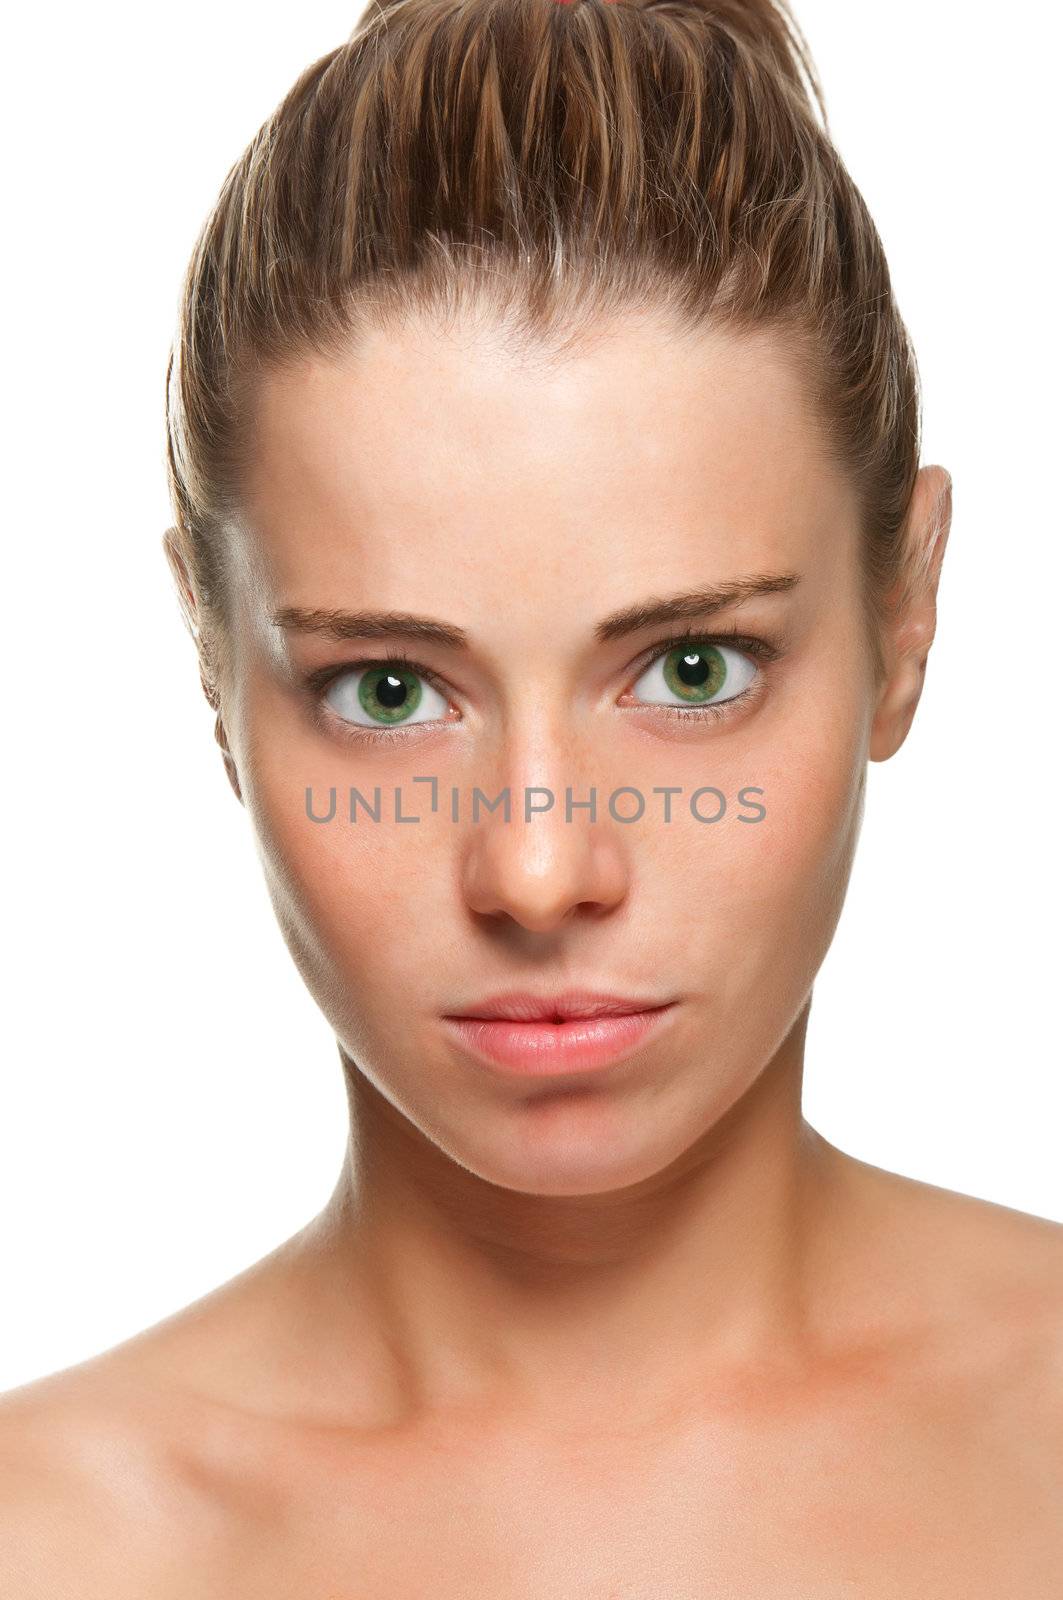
[388, 694]
[695, 674]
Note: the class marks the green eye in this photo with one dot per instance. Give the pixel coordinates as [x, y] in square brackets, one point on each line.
[384, 695]
[696, 673]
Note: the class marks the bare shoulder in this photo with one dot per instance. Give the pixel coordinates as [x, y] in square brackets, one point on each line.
[54, 1512]
[133, 1472]
[990, 1278]
[97, 1499]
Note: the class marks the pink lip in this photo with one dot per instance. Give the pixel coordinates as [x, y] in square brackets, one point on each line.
[521, 1005]
[515, 1031]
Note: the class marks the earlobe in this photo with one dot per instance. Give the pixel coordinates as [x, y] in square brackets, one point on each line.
[896, 708]
[912, 618]
[227, 756]
[186, 593]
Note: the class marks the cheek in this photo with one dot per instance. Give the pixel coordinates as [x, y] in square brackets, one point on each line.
[342, 892]
[353, 900]
[750, 907]
[789, 872]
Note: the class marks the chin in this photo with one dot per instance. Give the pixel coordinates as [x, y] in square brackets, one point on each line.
[574, 1142]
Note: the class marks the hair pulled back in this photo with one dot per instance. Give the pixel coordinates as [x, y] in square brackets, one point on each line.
[558, 161]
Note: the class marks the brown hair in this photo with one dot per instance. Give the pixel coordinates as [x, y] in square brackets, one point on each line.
[560, 161]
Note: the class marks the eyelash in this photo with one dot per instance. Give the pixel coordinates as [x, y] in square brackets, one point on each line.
[761, 651]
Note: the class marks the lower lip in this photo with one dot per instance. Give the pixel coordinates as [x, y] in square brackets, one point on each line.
[546, 1049]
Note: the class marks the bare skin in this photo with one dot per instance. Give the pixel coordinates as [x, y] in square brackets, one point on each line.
[644, 1335]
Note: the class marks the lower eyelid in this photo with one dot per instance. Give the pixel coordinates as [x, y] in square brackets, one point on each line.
[710, 710]
[331, 720]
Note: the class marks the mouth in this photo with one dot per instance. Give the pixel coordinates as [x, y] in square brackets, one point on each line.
[542, 1036]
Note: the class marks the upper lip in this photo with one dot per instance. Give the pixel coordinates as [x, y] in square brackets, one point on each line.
[519, 1005]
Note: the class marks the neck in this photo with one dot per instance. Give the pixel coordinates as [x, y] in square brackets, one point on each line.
[473, 1295]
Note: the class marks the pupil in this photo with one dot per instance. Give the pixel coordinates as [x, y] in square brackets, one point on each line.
[391, 691]
[693, 669]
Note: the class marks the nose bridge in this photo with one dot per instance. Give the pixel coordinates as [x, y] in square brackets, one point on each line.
[558, 849]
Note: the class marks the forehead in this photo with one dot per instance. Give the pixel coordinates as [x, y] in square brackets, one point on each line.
[426, 459]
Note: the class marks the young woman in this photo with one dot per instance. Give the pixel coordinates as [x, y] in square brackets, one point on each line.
[549, 517]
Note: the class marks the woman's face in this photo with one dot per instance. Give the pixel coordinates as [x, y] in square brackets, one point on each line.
[525, 504]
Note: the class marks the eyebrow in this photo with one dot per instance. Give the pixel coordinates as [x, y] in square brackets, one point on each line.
[691, 603]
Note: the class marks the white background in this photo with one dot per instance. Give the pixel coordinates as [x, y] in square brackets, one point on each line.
[171, 1103]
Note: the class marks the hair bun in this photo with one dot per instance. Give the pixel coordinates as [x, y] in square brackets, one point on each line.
[765, 29]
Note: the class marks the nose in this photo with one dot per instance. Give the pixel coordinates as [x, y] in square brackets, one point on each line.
[541, 873]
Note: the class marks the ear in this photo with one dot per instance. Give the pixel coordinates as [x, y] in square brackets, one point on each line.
[186, 594]
[227, 756]
[911, 618]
